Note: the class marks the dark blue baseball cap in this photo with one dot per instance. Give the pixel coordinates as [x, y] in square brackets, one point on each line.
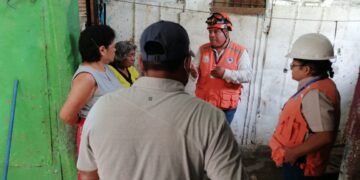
[164, 41]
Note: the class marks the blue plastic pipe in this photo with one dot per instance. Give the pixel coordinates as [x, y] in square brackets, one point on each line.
[11, 125]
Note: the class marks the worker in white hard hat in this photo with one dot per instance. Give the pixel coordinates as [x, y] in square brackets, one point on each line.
[309, 120]
[221, 66]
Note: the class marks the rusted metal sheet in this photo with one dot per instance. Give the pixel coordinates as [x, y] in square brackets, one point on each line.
[350, 168]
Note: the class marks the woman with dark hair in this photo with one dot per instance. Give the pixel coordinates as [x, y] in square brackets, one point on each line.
[123, 64]
[309, 120]
[93, 78]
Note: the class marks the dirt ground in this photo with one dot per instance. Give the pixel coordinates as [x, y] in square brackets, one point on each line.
[259, 166]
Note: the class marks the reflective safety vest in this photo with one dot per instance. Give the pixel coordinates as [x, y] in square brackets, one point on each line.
[133, 72]
[216, 90]
[292, 129]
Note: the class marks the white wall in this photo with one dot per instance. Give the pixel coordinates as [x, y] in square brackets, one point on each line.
[268, 39]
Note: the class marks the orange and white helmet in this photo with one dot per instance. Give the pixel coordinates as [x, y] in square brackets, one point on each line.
[219, 20]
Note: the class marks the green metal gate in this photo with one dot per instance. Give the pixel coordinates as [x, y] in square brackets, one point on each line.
[38, 47]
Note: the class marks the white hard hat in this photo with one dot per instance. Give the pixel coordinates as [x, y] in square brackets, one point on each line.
[312, 46]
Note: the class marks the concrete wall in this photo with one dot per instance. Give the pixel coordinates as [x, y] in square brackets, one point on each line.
[268, 38]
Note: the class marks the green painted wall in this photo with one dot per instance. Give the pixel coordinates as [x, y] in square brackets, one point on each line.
[38, 47]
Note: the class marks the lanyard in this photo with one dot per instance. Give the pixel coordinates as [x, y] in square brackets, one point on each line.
[222, 52]
[307, 84]
[218, 56]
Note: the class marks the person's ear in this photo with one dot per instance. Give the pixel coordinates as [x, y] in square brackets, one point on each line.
[141, 64]
[187, 63]
[102, 50]
[307, 70]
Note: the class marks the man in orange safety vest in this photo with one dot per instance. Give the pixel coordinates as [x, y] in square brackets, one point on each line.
[221, 66]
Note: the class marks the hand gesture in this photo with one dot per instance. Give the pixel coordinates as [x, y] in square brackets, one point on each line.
[218, 72]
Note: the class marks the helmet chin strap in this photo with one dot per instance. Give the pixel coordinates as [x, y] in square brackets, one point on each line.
[225, 42]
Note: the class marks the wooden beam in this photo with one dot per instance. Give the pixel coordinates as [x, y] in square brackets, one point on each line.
[92, 13]
[239, 10]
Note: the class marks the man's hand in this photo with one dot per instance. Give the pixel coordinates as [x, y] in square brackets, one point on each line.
[290, 156]
[218, 72]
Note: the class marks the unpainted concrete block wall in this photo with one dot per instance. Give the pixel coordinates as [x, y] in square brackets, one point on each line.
[268, 38]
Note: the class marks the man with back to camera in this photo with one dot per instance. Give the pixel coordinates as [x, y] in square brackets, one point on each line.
[222, 66]
[154, 130]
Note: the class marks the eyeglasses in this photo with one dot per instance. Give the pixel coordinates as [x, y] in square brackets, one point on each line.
[295, 65]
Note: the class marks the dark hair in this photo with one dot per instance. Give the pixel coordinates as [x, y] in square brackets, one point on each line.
[318, 67]
[92, 38]
[123, 48]
[170, 65]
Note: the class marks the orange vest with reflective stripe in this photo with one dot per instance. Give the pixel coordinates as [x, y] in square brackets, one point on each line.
[216, 90]
[292, 129]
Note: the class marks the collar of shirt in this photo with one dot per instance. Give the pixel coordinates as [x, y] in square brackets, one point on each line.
[304, 81]
[218, 54]
[161, 84]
